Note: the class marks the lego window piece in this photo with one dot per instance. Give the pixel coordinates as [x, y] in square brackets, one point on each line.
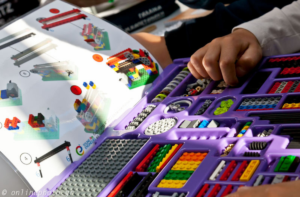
[171, 86]
[182, 170]
[255, 104]
[33, 52]
[161, 126]
[120, 151]
[60, 19]
[141, 117]
[134, 67]
[93, 109]
[11, 96]
[56, 71]
[96, 37]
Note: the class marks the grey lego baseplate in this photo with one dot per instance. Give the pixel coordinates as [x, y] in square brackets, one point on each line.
[92, 176]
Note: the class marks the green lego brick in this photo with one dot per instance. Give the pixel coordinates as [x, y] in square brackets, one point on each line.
[136, 51]
[159, 157]
[279, 164]
[178, 175]
[248, 123]
[287, 163]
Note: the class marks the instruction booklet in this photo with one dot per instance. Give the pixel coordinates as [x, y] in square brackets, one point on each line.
[65, 76]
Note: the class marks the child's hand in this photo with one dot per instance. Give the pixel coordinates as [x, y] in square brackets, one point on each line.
[287, 189]
[227, 57]
[156, 45]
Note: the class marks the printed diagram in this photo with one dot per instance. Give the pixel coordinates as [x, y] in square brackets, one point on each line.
[56, 71]
[93, 109]
[56, 150]
[96, 37]
[16, 40]
[135, 67]
[11, 96]
[36, 128]
[60, 19]
[33, 52]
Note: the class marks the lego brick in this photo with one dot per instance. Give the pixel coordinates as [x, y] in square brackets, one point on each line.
[146, 161]
[185, 124]
[214, 192]
[287, 163]
[279, 164]
[101, 174]
[259, 180]
[227, 190]
[240, 171]
[3, 94]
[217, 171]
[251, 168]
[228, 171]
[213, 124]
[120, 185]
[278, 179]
[162, 152]
[194, 124]
[169, 158]
[203, 190]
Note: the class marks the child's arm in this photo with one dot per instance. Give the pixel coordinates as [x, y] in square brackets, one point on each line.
[287, 189]
[232, 56]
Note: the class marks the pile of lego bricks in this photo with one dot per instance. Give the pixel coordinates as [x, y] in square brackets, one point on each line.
[224, 107]
[220, 88]
[196, 88]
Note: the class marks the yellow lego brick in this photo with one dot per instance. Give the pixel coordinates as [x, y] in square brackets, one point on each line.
[284, 106]
[186, 165]
[297, 105]
[166, 157]
[136, 56]
[115, 68]
[136, 75]
[171, 183]
[116, 64]
[246, 176]
[240, 135]
[245, 127]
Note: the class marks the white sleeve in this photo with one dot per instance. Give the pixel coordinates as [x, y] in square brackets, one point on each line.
[278, 31]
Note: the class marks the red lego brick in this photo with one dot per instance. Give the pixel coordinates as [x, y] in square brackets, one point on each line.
[274, 88]
[228, 171]
[60, 15]
[146, 161]
[203, 190]
[14, 122]
[120, 185]
[214, 192]
[287, 87]
[7, 123]
[240, 171]
[227, 191]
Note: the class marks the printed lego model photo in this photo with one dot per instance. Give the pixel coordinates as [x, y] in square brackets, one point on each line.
[33, 52]
[35, 128]
[56, 71]
[62, 18]
[11, 96]
[134, 67]
[96, 37]
[93, 109]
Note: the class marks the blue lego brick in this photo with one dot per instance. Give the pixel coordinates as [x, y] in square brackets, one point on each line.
[203, 124]
[242, 107]
[11, 128]
[112, 66]
[85, 84]
[136, 61]
[4, 94]
[131, 77]
[149, 72]
[243, 131]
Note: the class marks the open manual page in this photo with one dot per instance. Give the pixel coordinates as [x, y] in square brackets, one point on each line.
[65, 76]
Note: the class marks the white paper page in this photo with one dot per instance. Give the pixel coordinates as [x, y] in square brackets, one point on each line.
[51, 96]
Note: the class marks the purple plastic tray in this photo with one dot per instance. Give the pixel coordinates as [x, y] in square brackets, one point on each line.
[211, 140]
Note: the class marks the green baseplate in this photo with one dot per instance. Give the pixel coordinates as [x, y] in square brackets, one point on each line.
[145, 78]
[56, 77]
[102, 117]
[12, 102]
[105, 40]
[31, 134]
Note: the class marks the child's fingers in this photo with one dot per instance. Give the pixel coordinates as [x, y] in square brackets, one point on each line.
[229, 55]
[248, 60]
[193, 71]
[196, 62]
[211, 61]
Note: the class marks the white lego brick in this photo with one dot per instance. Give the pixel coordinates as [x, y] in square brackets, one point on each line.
[213, 124]
[217, 171]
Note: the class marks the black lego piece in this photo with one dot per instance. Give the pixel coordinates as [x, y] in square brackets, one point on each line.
[257, 145]
[256, 82]
[40, 118]
[130, 185]
[294, 165]
[251, 154]
[142, 190]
